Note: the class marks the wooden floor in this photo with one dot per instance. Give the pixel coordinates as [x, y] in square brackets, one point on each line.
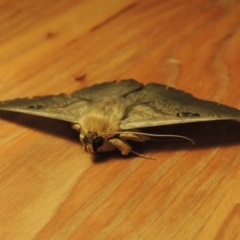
[50, 188]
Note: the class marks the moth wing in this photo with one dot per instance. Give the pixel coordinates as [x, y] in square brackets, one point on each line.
[62, 106]
[69, 107]
[157, 105]
[109, 89]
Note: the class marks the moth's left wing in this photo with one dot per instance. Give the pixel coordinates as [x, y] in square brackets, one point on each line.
[156, 105]
[63, 107]
[70, 107]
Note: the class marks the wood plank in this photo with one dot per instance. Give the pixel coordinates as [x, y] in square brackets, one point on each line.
[51, 188]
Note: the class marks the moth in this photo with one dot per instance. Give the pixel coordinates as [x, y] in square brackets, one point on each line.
[108, 115]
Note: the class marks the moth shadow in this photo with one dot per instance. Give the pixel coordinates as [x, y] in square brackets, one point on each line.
[108, 156]
[47, 125]
[203, 134]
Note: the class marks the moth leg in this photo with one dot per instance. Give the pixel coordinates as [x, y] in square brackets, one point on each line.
[134, 137]
[76, 126]
[121, 145]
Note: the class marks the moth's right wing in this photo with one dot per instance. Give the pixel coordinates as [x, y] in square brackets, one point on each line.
[156, 105]
[69, 107]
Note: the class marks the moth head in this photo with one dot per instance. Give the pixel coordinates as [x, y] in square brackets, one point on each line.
[92, 141]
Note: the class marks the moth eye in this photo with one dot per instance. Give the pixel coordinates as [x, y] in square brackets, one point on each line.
[188, 114]
[97, 142]
[40, 106]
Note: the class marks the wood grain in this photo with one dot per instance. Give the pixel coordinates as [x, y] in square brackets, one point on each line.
[51, 188]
